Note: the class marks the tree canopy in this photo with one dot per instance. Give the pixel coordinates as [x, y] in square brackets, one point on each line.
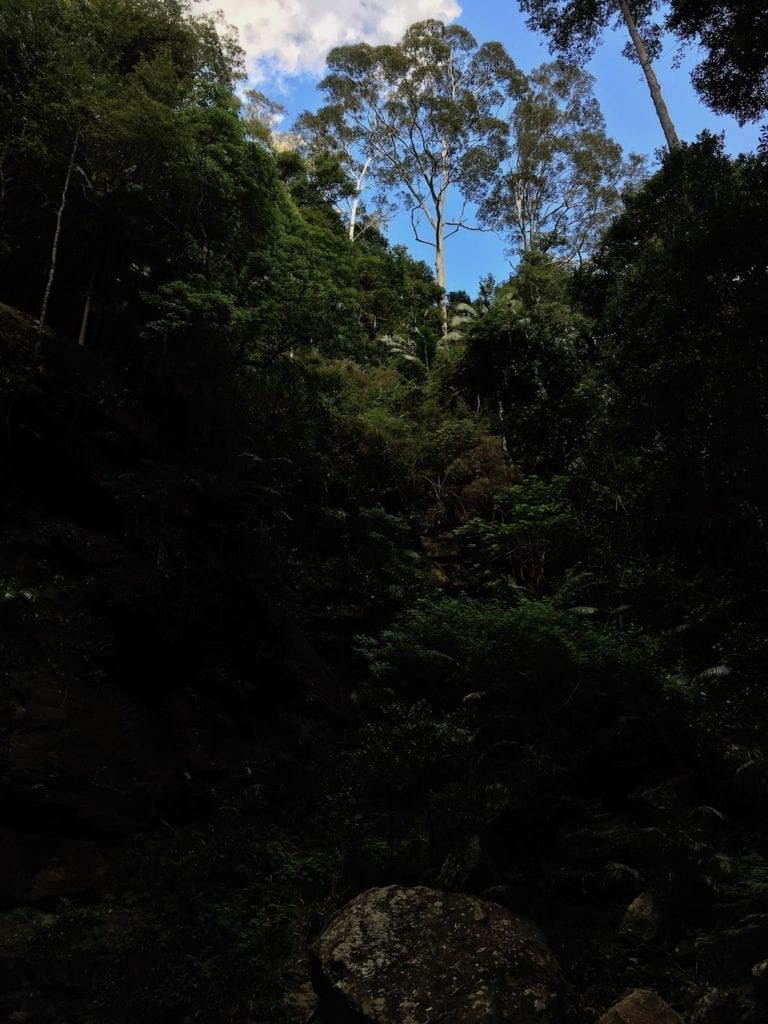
[563, 180]
[733, 77]
[424, 118]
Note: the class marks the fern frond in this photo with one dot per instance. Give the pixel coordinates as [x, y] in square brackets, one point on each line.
[614, 871]
[725, 863]
[749, 758]
[715, 672]
[705, 810]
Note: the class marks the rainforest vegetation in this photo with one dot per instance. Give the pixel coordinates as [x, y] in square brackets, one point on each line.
[316, 576]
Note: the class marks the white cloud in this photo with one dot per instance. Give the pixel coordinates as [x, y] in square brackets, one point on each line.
[290, 37]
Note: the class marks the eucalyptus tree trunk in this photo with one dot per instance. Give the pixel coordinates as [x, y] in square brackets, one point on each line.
[440, 271]
[359, 186]
[57, 235]
[86, 312]
[439, 224]
[673, 142]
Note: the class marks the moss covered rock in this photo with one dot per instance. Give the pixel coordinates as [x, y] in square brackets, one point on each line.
[398, 955]
[641, 1006]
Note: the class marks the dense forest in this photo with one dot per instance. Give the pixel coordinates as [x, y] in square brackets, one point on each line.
[330, 595]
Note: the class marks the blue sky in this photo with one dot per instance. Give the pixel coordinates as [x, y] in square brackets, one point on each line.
[286, 41]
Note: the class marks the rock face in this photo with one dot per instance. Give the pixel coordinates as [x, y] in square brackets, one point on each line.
[641, 1007]
[400, 955]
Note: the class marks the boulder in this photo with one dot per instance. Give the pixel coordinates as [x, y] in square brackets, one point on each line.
[760, 978]
[716, 1006]
[399, 955]
[300, 1004]
[641, 1006]
[642, 919]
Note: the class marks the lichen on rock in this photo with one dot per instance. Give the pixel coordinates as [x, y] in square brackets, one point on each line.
[400, 955]
[641, 1006]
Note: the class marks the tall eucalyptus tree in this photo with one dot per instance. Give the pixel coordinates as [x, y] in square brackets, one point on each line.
[563, 180]
[426, 120]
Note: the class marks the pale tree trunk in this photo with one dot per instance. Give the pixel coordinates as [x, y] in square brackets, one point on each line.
[359, 186]
[504, 445]
[89, 296]
[57, 235]
[440, 246]
[353, 217]
[523, 223]
[86, 315]
[439, 221]
[673, 142]
[440, 268]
